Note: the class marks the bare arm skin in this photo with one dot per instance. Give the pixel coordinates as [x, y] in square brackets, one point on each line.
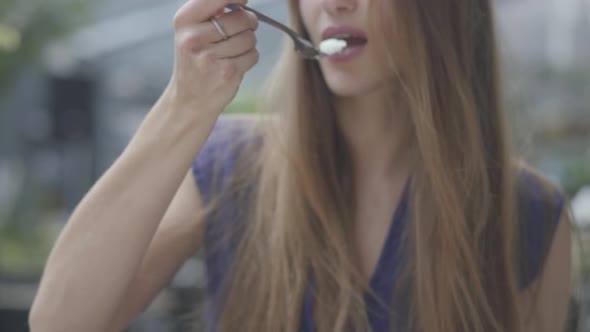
[137, 224]
[549, 306]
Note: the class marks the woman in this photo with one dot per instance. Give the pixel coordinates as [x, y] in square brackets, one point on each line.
[295, 211]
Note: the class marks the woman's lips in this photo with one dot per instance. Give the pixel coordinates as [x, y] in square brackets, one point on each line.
[334, 31]
[347, 33]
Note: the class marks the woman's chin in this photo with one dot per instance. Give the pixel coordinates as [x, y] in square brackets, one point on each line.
[348, 88]
[344, 93]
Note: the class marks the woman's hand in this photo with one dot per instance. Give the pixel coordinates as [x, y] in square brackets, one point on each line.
[208, 68]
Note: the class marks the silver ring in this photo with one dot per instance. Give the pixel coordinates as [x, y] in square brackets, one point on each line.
[219, 28]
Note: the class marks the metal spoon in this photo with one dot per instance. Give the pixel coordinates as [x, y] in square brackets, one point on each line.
[304, 47]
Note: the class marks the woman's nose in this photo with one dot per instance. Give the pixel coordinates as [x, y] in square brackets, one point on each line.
[336, 7]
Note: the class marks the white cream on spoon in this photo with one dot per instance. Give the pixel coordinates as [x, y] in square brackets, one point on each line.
[332, 46]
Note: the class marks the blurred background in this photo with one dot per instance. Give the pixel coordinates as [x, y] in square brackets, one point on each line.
[77, 77]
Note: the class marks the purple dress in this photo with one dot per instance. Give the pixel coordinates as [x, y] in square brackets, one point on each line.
[216, 162]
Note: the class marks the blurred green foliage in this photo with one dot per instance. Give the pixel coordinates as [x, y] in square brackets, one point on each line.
[23, 253]
[245, 105]
[575, 79]
[577, 175]
[25, 236]
[27, 26]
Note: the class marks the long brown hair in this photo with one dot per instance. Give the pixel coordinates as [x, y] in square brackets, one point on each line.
[461, 265]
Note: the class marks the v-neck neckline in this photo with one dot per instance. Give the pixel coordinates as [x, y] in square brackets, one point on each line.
[390, 244]
[382, 279]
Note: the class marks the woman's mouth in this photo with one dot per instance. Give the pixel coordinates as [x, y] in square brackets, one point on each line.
[343, 42]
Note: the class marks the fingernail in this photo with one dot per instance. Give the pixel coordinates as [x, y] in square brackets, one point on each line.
[234, 6]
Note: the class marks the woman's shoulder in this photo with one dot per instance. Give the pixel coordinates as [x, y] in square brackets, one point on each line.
[537, 196]
[229, 132]
[540, 205]
[232, 137]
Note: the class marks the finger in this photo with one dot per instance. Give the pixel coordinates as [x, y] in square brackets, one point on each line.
[244, 62]
[193, 38]
[234, 46]
[235, 22]
[195, 11]
[196, 36]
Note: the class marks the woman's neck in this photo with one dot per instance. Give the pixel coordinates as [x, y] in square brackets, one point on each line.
[379, 136]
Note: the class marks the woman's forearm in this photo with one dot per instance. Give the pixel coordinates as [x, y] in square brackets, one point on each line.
[104, 241]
